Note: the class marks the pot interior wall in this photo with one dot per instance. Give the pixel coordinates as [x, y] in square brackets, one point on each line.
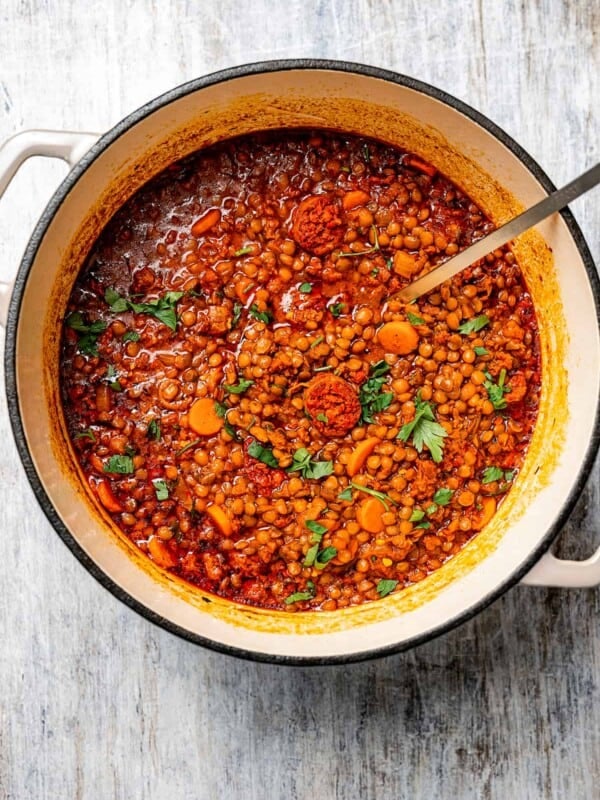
[485, 169]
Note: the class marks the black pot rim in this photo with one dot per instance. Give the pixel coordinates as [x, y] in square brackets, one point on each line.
[29, 257]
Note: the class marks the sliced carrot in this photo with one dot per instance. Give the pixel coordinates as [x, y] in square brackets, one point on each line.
[398, 337]
[183, 494]
[405, 264]
[355, 198]
[107, 496]
[368, 515]
[488, 509]
[203, 418]
[206, 222]
[360, 454]
[220, 518]
[422, 166]
[160, 553]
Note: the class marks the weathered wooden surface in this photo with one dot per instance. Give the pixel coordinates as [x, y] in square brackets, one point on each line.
[97, 703]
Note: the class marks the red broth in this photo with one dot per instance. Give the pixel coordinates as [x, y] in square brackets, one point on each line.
[254, 409]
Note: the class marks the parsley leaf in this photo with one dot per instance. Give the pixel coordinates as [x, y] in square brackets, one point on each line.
[298, 597]
[442, 497]
[119, 465]
[111, 377]
[163, 308]
[371, 398]
[431, 509]
[264, 454]
[383, 498]
[88, 433]
[305, 288]
[243, 251]
[414, 319]
[317, 529]
[337, 309]
[153, 430]
[322, 418]
[161, 489]
[496, 391]
[262, 316]
[417, 515]
[325, 556]
[481, 351]
[425, 431]
[309, 468]
[491, 474]
[424, 525]
[346, 494]
[130, 336]
[385, 586]
[474, 325]
[237, 313]
[89, 332]
[240, 387]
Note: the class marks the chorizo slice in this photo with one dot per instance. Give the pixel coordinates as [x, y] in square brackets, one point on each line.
[333, 405]
[318, 225]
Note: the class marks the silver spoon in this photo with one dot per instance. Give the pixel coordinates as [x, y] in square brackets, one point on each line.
[554, 202]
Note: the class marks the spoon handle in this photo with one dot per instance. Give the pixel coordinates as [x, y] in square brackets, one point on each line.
[554, 202]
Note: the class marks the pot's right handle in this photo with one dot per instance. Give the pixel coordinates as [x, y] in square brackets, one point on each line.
[553, 571]
[68, 145]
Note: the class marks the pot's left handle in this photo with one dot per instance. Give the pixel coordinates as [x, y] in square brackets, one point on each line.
[68, 145]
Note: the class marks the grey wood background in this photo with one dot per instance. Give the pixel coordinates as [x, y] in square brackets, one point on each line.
[97, 703]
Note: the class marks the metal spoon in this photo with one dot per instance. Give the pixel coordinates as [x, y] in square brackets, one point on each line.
[554, 202]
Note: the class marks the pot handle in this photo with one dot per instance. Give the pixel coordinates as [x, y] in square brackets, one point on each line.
[553, 571]
[68, 145]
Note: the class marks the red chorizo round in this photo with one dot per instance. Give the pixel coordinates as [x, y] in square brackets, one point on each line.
[318, 225]
[333, 405]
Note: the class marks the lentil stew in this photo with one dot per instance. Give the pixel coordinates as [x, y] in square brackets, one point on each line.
[250, 404]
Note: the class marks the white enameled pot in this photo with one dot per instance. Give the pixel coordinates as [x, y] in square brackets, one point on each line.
[474, 153]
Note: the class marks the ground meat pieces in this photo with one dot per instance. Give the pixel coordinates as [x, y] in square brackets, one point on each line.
[318, 225]
[298, 306]
[333, 405]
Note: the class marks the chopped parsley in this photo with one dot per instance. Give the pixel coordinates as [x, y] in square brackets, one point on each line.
[373, 249]
[317, 341]
[305, 288]
[337, 309]
[111, 377]
[240, 387]
[323, 369]
[474, 325]
[308, 467]
[153, 430]
[371, 398]
[491, 474]
[496, 391]
[366, 153]
[314, 556]
[119, 465]
[88, 332]
[298, 597]
[385, 586]
[481, 351]
[417, 515]
[161, 489]
[383, 498]
[322, 418]
[346, 494]
[88, 433]
[263, 453]
[237, 313]
[442, 497]
[262, 316]
[130, 336]
[425, 431]
[162, 309]
[414, 319]
[243, 251]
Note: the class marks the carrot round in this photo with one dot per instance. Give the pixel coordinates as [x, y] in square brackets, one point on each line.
[368, 515]
[203, 418]
[107, 497]
[405, 264]
[360, 454]
[206, 222]
[220, 518]
[398, 337]
[160, 553]
[355, 198]
[488, 508]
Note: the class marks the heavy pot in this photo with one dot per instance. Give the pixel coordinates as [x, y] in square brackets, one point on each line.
[464, 145]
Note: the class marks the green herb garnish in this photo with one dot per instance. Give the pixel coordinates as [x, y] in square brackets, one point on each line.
[496, 391]
[88, 332]
[417, 515]
[111, 377]
[385, 586]
[491, 474]
[323, 369]
[425, 431]
[474, 325]
[481, 351]
[322, 418]
[130, 336]
[442, 497]
[161, 489]
[162, 309]
[325, 556]
[153, 430]
[305, 288]
[366, 153]
[243, 251]
[371, 398]
[237, 313]
[337, 309]
[383, 498]
[298, 597]
[309, 468]
[423, 525]
[263, 453]
[373, 249]
[240, 387]
[88, 433]
[317, 341]
[414, 319]
[262, 316]
[119, 465]
[316, 528]
[346, 494]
